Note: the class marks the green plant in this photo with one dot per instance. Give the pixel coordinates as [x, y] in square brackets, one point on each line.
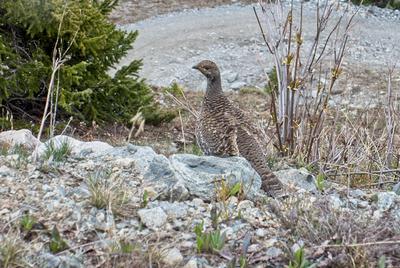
[57, 244]
[224, 191]
[145, 199]
[320, 182]
[73, 45]
[209, 242]
[299, 260]
[22, 156]
[381, 262]
[57, 153]
[196, 150]
[27, 222]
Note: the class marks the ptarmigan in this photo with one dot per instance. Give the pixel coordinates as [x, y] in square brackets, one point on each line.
[224, 130]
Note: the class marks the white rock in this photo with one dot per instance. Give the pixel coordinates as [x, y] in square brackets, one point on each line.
[245, 204]
[19, 137]
[261, 232]
[77, 147]
[386, 200]
[174, 210]
[299, 178]
[173, 257]
[153, 217]
[192, 263]
[274, 252]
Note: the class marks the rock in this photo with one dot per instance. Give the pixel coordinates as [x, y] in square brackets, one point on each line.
[237, 85]
[173, 257]
[153, 167]
[52, 261]
[357, 193]
[261, 232]
[396, 188]
[299, 178]
[198, 174]
[192, 263]
[273, 252]
[19, 137]
[78, 148]
[229, 76]
[386, 200]
[174, 210]
[153, 217]
[335, 201]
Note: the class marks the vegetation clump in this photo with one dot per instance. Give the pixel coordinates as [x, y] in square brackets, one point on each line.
[61, 52]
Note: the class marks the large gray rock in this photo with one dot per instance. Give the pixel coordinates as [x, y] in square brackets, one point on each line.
[199, 173]
[19, 137]
[78, 148]
[298, 178]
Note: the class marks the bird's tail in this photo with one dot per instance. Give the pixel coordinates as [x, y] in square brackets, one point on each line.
[250, 149]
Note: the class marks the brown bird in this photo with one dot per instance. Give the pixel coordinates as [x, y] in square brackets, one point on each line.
[224, 130]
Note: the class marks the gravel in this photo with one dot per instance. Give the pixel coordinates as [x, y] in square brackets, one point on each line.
[171, 44]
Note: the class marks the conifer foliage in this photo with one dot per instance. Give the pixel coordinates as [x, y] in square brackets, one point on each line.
[89, 44]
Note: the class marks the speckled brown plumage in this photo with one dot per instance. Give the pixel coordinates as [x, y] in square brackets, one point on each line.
[224, 130]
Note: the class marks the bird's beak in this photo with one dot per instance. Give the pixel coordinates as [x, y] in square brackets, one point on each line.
[195, 67]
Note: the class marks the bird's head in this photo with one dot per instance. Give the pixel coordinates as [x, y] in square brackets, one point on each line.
[208, 68]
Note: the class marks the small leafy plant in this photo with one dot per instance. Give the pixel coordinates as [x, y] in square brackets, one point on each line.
[27, 222]
[299, 260]
[57, 153]
[208, 242]
[224, 191]
[145, 199]
[320, 182]
[57, 244]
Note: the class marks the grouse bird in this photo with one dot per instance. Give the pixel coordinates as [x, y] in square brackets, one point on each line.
[224, 130]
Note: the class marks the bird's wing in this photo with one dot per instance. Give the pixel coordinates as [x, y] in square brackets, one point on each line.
[249, 145]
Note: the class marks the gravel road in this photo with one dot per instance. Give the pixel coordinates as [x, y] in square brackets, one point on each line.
[170, 44]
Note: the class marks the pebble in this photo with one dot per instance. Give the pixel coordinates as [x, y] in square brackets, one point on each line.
[153, 217]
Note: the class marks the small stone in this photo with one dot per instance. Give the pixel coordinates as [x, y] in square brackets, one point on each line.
[245, 204]
[192, 263]
[237, 85]
[5, 171]
[153, 217]
[187, 244]
[274, 252]
[198, 202]
[174, 210]
[335, 202]
[357, 193]
[296, 246]
[396, 188]
[386, 200]
[261, 232]
[173, 257]
[254, 248]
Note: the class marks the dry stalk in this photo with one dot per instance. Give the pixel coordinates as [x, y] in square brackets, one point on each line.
[299, 122]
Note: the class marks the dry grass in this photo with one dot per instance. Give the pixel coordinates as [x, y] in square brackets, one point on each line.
[107, 191]
[12, 251]
[340, 238]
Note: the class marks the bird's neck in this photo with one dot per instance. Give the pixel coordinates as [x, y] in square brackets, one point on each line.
[214, 86]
